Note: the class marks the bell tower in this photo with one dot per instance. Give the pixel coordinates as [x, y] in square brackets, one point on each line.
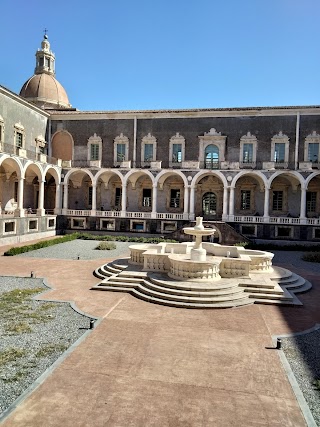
[45, 59]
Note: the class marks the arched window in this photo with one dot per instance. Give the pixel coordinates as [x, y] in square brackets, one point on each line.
[211, 157]
[209, 204]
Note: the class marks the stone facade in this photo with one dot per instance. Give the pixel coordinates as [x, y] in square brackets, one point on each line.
[253, 169]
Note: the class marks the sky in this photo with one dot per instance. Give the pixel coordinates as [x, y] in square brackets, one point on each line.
[168, 54]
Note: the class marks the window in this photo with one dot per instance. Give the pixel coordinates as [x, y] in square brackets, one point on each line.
[311, 201]
[19, 139]
[277, 200]
[247, 154]
[94, 151]
[148, 149]
[176, 150]
[118, 196]
[279, 152]
[19, 136]
[121, 149]
[248, 150]
[249, 230]
[245, 200]
[175, 199]
[211, 157]
[176, 153]
[284, 232]
[148, 152]
[311, 148]
[146, 197]
[313, 152]
[121, 152]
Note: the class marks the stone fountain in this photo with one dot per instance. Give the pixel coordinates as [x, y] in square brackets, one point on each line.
[201, 274]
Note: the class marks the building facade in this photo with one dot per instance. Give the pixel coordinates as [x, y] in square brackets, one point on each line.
[254, 169]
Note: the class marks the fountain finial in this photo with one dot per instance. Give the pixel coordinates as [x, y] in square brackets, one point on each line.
[199, 225]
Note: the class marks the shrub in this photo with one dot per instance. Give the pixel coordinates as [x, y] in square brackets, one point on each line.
[106, 246]
[311, 256]
[40, 245]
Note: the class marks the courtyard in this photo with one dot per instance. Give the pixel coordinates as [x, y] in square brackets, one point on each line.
[149, 365]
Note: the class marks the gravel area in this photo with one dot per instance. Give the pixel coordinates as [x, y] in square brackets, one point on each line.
[85, 249]
[303, 355]
[56, 327]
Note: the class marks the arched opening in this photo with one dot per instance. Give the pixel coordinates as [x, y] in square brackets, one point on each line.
[211, 157]
[209, 205]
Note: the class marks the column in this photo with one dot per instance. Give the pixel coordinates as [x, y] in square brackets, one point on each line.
[20, 209]
[94, 199]
[65, 198]
[58, 199]
[154, 201]
[231, 203]
[186, 202]
[225, 204]
[124, 201]
[40, 210]
[266, 203]
[192, 196]
[303, 202]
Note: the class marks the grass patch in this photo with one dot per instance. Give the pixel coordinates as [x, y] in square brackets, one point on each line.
[49, 349]
[11, 355]
[106, 246]
[316, 384]
[311, 256]
[16, 306]
[16, 377]
[18, 328]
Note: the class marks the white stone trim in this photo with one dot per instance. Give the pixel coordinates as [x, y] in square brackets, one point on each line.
[176, 139]
[313, 138]
[121, 139]
[212, 138]
[148, 139]
[18, 128]
[33, 220]
[6, 233]
[51, 227]
[94, 140]
[248, 139]
[110, 221]
[280, 138]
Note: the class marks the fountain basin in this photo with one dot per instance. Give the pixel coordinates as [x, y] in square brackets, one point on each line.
[182, 268]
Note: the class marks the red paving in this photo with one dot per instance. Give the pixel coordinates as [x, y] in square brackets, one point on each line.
[149, 365]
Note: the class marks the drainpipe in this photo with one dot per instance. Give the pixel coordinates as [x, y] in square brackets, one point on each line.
[296, 154]
[134, 156]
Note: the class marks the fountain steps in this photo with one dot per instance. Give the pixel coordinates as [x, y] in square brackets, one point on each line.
[279, 289]
[150, 288]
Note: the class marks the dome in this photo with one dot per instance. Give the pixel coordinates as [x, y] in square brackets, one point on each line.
[45, 91]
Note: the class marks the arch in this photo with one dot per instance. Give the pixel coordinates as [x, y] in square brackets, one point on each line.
[13, 163]
[260, 177]
[78, 170]
[62, 145]
[110, 172]
[35, 169]
[163, 175]
[136, 174]
[202, 174]
[292, 174]
[54, 171]
[310, 177]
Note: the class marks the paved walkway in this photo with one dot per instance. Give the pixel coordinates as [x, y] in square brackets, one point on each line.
[148, 365]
